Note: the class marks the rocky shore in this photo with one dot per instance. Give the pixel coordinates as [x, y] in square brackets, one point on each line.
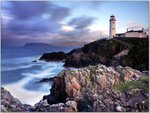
[11, 104]
[93, 88]
[105, 51]
[54, 56]
[102, 82]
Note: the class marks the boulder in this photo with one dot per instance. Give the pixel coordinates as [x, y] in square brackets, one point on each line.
[42, 106]
[45, 80]
[80, 59]
[9, 103]
[3, 108]
[92, 88]
[54, 56]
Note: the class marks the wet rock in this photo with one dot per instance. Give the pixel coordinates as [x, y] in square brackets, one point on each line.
[91, 88]
[120, 109]
[54, 56]
[80, 59]
[50, 99]
[9, 103]
[88, 89]
[3, 109]
[34, 61]
[70, 106]
[45, 80]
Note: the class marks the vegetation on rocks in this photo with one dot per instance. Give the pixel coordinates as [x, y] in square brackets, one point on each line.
[54, 56]
[142, 83]
[103, 51]
[96, 87]
[91, 89]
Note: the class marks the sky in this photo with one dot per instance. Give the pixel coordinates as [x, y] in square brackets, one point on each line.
[68, 23]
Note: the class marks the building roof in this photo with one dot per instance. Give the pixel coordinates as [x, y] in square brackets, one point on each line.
[120, 33]
[139, 31]
[112, 16]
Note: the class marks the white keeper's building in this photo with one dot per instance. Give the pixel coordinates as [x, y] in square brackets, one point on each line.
[128, 34]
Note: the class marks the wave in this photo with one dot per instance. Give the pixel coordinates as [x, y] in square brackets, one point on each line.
[4, 68]
[18, 60]
[30, 96]
[20, 63]
[46, 70]
[24, 95]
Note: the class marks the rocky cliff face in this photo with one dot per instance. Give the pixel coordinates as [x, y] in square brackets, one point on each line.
[11, 104]
[103, 51]
[54, 56]
[92, 89]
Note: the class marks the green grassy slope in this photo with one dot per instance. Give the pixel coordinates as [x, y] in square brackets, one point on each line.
[136, 58]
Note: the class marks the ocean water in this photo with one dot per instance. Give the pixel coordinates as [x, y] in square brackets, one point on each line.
[19, 74]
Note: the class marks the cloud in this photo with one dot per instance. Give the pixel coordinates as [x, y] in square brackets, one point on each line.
[95, 4]
[34, 26]
[28, 17]
[73, 43]
[84, 39]
[80, 34]
[82, 22]
[66, 28]
[134, 25]
[58, 13]
[41, 22]
[27, 9]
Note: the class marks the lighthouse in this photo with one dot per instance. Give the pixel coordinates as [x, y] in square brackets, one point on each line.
[112, 26]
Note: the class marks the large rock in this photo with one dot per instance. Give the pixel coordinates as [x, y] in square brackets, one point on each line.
[92, 88]
[103, 51]
[54, 56]
[95, 78]
[77, 58]
[43, 106]
[9, 103]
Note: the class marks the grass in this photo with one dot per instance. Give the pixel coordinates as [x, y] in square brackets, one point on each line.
[69, 71]
[142, 83]
[106, 49]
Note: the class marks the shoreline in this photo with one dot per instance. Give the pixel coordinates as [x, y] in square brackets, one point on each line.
[75, 90]
[24, 94]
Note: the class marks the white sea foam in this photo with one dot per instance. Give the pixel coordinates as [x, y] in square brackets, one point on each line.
[25, 96]
[31, 97]
[19, 63]
[42, 73]
[18, 67]
[18, 60]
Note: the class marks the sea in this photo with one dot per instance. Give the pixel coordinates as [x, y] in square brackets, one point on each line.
[19, 74]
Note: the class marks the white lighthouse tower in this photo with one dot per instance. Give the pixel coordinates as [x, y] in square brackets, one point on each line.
[112, 26]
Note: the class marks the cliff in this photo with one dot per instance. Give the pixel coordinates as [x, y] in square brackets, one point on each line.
[11, 104]
[131, 52]
[101, 88]
[103, 51]
[94, 88]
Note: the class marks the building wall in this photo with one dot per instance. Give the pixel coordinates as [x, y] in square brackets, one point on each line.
[112, 29]
[143, 35]
[132, 34]
[135, 34]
